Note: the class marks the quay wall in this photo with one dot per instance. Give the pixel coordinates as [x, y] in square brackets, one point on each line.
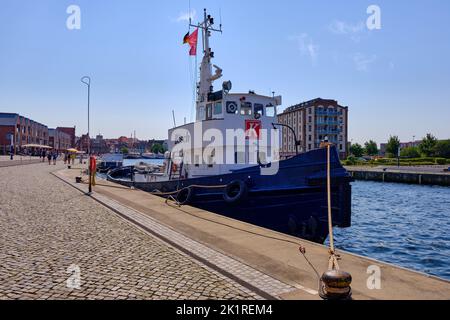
[402, 177]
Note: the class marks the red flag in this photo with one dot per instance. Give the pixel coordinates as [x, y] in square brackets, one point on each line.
[192, 39]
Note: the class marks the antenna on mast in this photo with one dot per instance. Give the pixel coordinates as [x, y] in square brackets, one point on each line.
[173, 116]
[190, 14]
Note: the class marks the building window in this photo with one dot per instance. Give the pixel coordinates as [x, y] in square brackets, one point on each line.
[309, 146]
[309, 138]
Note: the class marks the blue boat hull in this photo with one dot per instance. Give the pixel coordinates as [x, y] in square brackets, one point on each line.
[294, 201]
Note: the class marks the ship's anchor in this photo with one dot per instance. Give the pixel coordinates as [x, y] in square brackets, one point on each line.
[334, 283]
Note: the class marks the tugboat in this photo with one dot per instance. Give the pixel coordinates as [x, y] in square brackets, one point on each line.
[244, 178]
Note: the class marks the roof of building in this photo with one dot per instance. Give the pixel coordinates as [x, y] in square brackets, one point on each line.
[310, 103]
[8, 119]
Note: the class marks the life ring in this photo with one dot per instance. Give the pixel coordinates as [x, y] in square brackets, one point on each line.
[235, 191]
[184, 196]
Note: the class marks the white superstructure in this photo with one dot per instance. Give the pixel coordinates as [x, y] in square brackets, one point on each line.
[205, 147]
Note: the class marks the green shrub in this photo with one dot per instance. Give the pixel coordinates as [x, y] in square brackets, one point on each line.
[440, 161]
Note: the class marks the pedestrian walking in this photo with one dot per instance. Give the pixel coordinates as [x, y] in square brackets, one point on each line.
[49, 157]
[73, 159]
[55, 156]
[43, 154]
[65, 158]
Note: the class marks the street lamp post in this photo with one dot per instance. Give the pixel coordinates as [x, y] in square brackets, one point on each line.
[87, 81]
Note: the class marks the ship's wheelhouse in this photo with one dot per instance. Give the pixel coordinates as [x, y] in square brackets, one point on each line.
[250, 105]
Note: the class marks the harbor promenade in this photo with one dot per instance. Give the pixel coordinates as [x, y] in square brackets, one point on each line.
[262, 260]
[128, 244]
[5, 161]
[51, 233]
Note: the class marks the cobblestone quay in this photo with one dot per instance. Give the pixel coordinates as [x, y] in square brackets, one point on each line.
[54, 239]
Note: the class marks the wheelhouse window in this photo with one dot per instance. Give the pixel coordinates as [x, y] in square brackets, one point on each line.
[239, 157]
[201, 113]
[259, 109]
[262, 157]
[246, 108]
[218, 108]
[270, 110]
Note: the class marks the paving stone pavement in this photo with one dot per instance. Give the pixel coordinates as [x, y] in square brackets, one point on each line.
[51, 236]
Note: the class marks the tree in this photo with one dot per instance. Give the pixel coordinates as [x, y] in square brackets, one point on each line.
[371, 148]
[356, 150]
[427, 145]
[124, 150]
[157, 148]
[442, 149]
[392, 146]
[410, 152]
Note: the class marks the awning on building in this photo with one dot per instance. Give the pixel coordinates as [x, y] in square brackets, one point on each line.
[36, 146]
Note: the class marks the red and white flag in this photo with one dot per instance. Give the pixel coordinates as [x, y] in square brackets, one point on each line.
[192, 40]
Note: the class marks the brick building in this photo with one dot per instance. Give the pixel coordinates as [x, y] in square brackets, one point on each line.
[59, 140]
[71, 132]
[22, 131]
[313, 121]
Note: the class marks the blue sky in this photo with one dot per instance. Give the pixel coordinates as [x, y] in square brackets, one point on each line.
[395, 80]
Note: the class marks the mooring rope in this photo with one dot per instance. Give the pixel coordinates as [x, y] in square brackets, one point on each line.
[333, 260]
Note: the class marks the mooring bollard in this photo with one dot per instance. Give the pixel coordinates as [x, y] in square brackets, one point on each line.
[336, 285]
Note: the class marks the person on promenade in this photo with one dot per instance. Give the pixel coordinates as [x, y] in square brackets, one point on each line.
[55, 156]
[73, 159]
[43, 155]
[49, 157]
[65, 157]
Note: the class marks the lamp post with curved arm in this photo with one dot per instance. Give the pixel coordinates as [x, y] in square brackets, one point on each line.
[87, 81]
[297, 142]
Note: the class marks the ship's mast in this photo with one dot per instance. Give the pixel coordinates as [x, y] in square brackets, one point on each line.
[206, 77]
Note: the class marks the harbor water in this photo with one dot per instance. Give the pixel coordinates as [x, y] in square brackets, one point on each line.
[402, 224]
[406, 225]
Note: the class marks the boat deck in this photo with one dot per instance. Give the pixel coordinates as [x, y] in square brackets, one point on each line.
[263, 260]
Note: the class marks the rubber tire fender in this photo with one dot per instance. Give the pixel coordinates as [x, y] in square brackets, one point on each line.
[241, 194]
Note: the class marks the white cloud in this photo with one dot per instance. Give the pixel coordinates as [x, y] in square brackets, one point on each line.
[306, 46]
[343, 28]
[185, 16]
[363, 62]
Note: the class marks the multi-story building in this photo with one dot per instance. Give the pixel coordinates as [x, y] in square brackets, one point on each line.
[71, 132]
[59, 140]
[314, 121]
[83, 143]
[20, 131]
[98, 145]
